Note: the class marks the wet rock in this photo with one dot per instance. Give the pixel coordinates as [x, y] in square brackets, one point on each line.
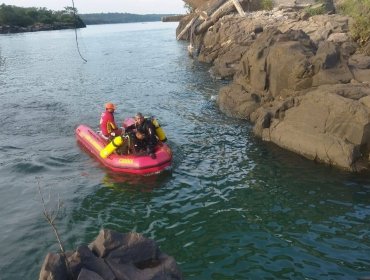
[84, 258]
[235, 101]
[288, 69]
[86, 274]
[53, 268]
[138, 249]
[329, 124]
[5, 29]
[164, 267]
[112, 256]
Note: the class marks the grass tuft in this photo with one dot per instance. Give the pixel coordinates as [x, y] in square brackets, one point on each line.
[359, 10]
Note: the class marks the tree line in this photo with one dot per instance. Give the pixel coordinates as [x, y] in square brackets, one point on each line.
[107, 18]
[24, 17]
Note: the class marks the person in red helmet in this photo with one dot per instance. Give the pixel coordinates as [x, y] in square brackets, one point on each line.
[108, 126]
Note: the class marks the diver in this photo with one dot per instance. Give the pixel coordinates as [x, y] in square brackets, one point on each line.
[143, 136]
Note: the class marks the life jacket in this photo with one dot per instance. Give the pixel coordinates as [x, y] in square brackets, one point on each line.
[107, 123]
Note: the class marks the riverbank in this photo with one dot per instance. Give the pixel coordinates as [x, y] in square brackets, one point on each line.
[175, 18]
[15, 19]
[7, 29]
[110, 18]
[299, 78]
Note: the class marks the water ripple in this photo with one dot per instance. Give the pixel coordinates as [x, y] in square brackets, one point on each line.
[232, 207]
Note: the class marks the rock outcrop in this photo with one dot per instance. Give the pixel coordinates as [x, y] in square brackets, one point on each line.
[112, 256]
[299, 79]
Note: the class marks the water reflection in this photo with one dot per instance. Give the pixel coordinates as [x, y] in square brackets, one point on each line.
[134, 183]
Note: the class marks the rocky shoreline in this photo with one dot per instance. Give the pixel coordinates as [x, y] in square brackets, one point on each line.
[299, 79]
[8, 29]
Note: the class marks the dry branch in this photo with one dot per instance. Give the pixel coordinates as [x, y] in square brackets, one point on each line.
[186, 28]
[220, 12]
[50, 216]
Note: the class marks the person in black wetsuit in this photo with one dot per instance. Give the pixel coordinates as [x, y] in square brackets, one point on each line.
[146, 139]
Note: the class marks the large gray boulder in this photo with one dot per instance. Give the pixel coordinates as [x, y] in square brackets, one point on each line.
[330, 66]
[235, 101]
[299, 79]
[124, 248]
[303, 96]
[84, 258]
[163, 268]
[282, 63]
[226, 42]
[113, 256]
[229, 38]
[330, 124]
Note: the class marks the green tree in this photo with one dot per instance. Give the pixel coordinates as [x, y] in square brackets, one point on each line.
[16, 16]
[7, 15]
[70, 10]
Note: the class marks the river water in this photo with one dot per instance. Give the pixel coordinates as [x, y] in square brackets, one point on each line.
[232, 207]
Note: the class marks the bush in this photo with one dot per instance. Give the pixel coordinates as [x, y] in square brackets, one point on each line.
[359, 10]
[267, 5]
[316, 10]
[17, 16]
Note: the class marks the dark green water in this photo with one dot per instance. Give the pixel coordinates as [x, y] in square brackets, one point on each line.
[233, 207]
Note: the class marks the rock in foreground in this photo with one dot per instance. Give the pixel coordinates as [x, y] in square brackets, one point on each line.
[112, 256]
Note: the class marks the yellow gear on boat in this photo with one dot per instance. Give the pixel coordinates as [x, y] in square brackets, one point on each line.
[159, 130]
[112, 146]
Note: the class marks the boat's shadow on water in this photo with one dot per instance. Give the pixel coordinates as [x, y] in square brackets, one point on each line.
[144, 183]
[132, 182]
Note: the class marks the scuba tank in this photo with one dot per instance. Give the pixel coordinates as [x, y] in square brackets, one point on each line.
[159, 130]
[112, 146]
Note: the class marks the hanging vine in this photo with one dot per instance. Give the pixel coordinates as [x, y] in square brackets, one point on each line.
[75, 17]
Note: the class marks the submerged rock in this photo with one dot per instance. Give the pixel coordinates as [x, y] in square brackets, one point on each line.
[113, 256]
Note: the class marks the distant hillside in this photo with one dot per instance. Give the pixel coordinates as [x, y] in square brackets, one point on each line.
[106, 18]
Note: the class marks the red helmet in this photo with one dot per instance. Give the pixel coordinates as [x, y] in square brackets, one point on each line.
[110, 105]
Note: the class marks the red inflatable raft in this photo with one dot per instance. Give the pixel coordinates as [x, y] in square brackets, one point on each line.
[133, 164]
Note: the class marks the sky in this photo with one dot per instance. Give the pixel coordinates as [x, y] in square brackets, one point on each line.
[104, 6]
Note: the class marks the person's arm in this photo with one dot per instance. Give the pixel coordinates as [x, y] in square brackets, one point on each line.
[131, 128]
